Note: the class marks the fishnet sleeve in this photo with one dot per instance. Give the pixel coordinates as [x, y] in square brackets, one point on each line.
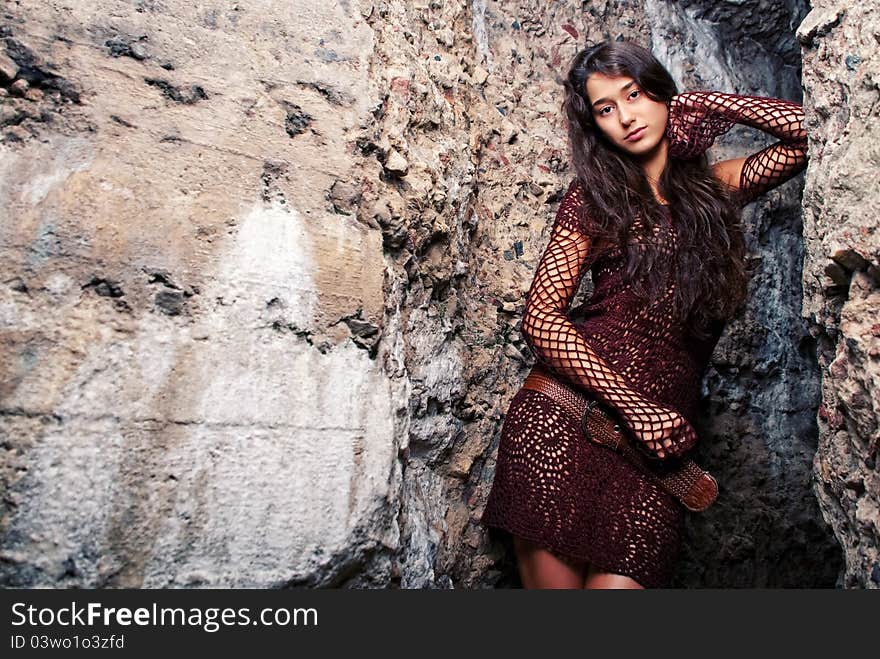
[558, 345]
[696, 118]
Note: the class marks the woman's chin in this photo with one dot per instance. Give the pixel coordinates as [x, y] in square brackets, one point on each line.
[643, 147]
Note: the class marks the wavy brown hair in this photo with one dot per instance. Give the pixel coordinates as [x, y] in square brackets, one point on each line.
[709, 267]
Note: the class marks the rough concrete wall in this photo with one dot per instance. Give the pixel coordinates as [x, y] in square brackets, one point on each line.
[189, 309]
[841, 46]
[296, 372]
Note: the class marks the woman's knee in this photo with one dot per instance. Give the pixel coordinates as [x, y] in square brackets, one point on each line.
[541, 568]
[608, 580]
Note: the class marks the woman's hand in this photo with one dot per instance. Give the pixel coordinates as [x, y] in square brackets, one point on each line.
[694, 123]
[661, 432]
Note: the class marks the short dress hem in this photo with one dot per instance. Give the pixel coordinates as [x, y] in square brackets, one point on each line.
[567, 556]
[577, 499]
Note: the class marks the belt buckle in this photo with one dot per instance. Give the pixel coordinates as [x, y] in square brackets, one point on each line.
[592, 405]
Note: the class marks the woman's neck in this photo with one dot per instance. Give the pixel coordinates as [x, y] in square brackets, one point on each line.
[654, 163]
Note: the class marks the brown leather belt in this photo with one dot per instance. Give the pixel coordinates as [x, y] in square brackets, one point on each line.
[681, 477]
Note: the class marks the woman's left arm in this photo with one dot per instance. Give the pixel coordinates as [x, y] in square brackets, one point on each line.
[755, 174]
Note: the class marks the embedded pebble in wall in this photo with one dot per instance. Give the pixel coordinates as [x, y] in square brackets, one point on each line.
[19, 87]
[138, 50]
[396, 163]
[104, 287]
[850, 259]
[127, 47]
[173, 92]
[297, 120]
[8, 69]
[838, 274]
[171, 303]
[344, 196]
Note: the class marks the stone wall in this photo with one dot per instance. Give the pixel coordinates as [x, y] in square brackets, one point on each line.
[189, 309]
[841, 272]
[263, 279]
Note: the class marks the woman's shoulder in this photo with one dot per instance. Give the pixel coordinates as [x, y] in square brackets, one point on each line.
[576, 199]
[575, 193]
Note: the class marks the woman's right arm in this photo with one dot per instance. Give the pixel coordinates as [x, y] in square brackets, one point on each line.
[559, 346]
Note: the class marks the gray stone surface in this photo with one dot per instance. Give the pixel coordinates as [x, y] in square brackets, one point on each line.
[263, 279]
[841, 47]
[191, 395]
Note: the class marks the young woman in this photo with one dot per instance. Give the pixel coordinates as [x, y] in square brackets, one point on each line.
[661, 232]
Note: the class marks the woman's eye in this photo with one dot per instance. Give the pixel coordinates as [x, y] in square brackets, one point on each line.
[632, 94]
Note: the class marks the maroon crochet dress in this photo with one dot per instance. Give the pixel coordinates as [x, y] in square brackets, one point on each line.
[551, 485]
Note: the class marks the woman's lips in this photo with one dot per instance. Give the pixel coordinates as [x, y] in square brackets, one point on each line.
[636, 135]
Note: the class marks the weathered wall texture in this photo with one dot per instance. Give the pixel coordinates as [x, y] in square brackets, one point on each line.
[841, 46]
[263, 278]
[190, 390]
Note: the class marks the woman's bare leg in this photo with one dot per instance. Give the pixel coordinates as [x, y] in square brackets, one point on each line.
[540, 568]
[596, 580]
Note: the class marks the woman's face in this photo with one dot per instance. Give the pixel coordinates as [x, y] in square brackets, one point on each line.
[621, 109]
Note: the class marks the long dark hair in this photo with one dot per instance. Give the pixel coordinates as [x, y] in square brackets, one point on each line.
[709, 269]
